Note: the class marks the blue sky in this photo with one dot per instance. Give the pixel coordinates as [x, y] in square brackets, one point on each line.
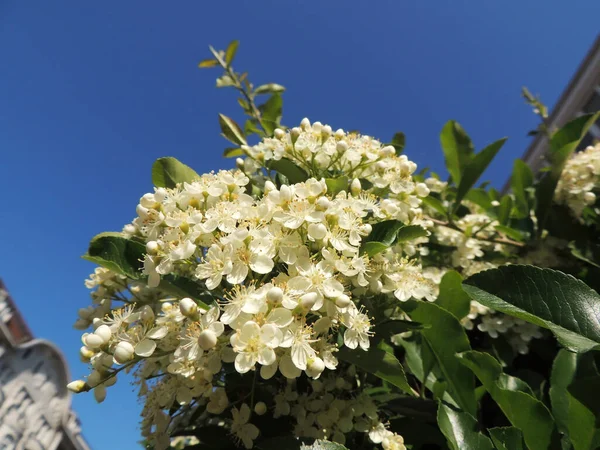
[92, 92]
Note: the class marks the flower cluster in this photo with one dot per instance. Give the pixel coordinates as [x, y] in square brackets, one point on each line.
[331, 408]
[285, 268]
[578, 181]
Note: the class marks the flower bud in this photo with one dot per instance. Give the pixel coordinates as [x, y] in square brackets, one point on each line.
[295, 134]
[123, 352]
[495, 203]
[260, 408]
[323, 203]
[307, 301]
[278, 133]
[388, 150]
[86, 354]
[589, 198]
[239, 163]
[78, 386]
[341, 147]
[207, 339]
[343, 301]
[152, 247]
[315, 367]
[339, 134]
[305, 123]
[129, 229]
[317, 231]
[269, 186]
[355, 186]
[93, 341]
[188, 307]
[326, 132]
[422, 190]
[275, 295]
[104, 332]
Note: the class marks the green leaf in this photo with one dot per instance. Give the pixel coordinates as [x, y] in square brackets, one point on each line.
[389, 328]
[434, 204]
[507, 438]
[380, 363]
[572, 417]
[373, 248]
[475, 168]
[522, 178]
[231, 130]
[452, 297]
[271, 113]
[581, 389]
[545, 297]
[385, 234]
[233, 152]
[586, 251]
[480, 197]
[270, 88]
[251, 127]
[458, 149]
[460, 430]
[206, 63]
[336, 185]
[398, 142]
[562, 145]
[288, 169]
[168, 172]
[410, 233]
[446, 337]
[510, 232]
[117, 253]
[522, 410]
[231, 51]
[504, 209]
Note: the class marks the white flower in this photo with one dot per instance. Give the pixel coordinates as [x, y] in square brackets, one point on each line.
[358, 329]
[217, 263]
[244, 431]
[254, 343]
[218, 401]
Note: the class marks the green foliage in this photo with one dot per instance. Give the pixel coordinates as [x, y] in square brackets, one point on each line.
[460, 429]
[389, 232]
[117, 253]
[382, 364]
[231, 130]
[168, 172]
[452, 297]
[288, 169]
[573, 418]
[522, 410]
[474, 168]
[458, 149]
[461, 385]
[507, 438]
[541, 296]
[399, 142]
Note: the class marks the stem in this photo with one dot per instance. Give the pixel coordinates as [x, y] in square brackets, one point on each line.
[255, 112]
[500, 240]
[253, 389]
